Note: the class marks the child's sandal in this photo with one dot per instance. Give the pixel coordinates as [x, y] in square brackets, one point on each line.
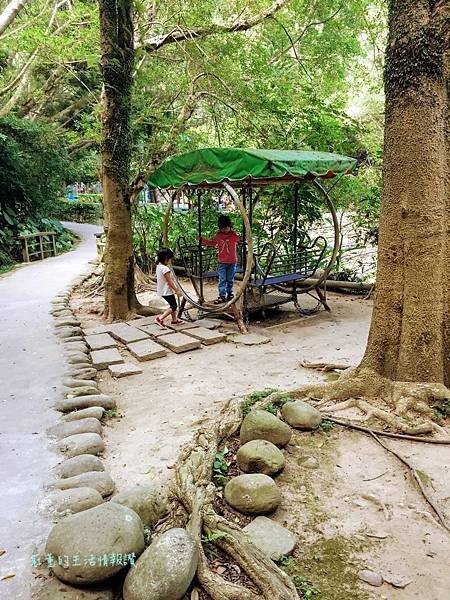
[219, 301]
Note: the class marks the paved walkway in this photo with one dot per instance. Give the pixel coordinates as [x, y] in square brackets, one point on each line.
[31, 368]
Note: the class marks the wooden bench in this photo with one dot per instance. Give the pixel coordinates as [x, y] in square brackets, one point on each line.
[40, 245]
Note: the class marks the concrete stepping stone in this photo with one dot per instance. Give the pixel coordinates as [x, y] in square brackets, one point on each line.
[73, 501]
[79, 402]
[87, 425]
[182, 326]
[127, 334]
[206, 336]
[97, 480]
[249, 339]
[96, 412]
[101, 359]
[146, 350]
[141, 321]
[97, 329]
[100, 341]
[208, 323]
[125, 369]
[155, 331]
[80, 464]
[81, 443]
[178, 342]
[271, 538]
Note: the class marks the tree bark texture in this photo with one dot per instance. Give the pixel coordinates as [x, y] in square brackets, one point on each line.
[117, 60]
[409, 338]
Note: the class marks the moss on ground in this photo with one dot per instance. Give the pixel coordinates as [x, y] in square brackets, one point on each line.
[327, 570]
[322, 567]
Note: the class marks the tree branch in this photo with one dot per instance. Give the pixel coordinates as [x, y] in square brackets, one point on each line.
[183, 116]
[82, 145]
[293, 43]
[23, 71]
[10, 13]
[179, 34]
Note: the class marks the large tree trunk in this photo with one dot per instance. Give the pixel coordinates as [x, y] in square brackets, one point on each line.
[116, 31]
[409, 335]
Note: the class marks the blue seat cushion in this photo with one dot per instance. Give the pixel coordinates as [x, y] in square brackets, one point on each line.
[277, 279]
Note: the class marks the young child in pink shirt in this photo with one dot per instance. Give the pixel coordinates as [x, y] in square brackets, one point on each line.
[225, 241]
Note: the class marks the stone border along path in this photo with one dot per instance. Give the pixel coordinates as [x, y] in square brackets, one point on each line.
[83, 485]
[83, 482]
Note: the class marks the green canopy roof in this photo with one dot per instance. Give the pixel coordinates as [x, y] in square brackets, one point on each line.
[208, 167]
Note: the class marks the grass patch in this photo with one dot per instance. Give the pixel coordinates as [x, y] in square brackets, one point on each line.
[110, 414]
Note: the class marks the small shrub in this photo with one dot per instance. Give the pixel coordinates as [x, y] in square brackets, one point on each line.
[305, 588]
[272, 408]
[255, 397]
[442, 408]
[220, 468]
[326, 425]
[79, 211]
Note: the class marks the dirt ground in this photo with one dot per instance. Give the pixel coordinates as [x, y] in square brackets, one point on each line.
[357, 510]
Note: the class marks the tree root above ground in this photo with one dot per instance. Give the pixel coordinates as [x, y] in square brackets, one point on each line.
[192, 496]
[404, 406]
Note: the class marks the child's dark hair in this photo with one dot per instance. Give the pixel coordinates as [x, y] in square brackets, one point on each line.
[224, 221]
[164, 255]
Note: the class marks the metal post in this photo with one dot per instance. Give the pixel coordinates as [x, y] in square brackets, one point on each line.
[200, 249]
[294, 241]
[295, 216]
[244, 251]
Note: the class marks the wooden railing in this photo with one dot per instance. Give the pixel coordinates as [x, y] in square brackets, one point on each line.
[40, 245]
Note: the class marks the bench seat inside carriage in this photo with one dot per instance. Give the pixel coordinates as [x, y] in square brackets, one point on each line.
[271, 267]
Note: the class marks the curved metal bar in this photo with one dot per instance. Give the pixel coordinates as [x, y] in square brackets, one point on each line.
[248, 267]
[334, 254]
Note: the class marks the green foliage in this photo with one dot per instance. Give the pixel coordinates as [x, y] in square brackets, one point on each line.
[272, 408]
[310, 77]
[84, 210]
[33, 164]
[305, 587]
[326, 425]
[220, 468]
[442, 408]
[212, 536]
[255, 397]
